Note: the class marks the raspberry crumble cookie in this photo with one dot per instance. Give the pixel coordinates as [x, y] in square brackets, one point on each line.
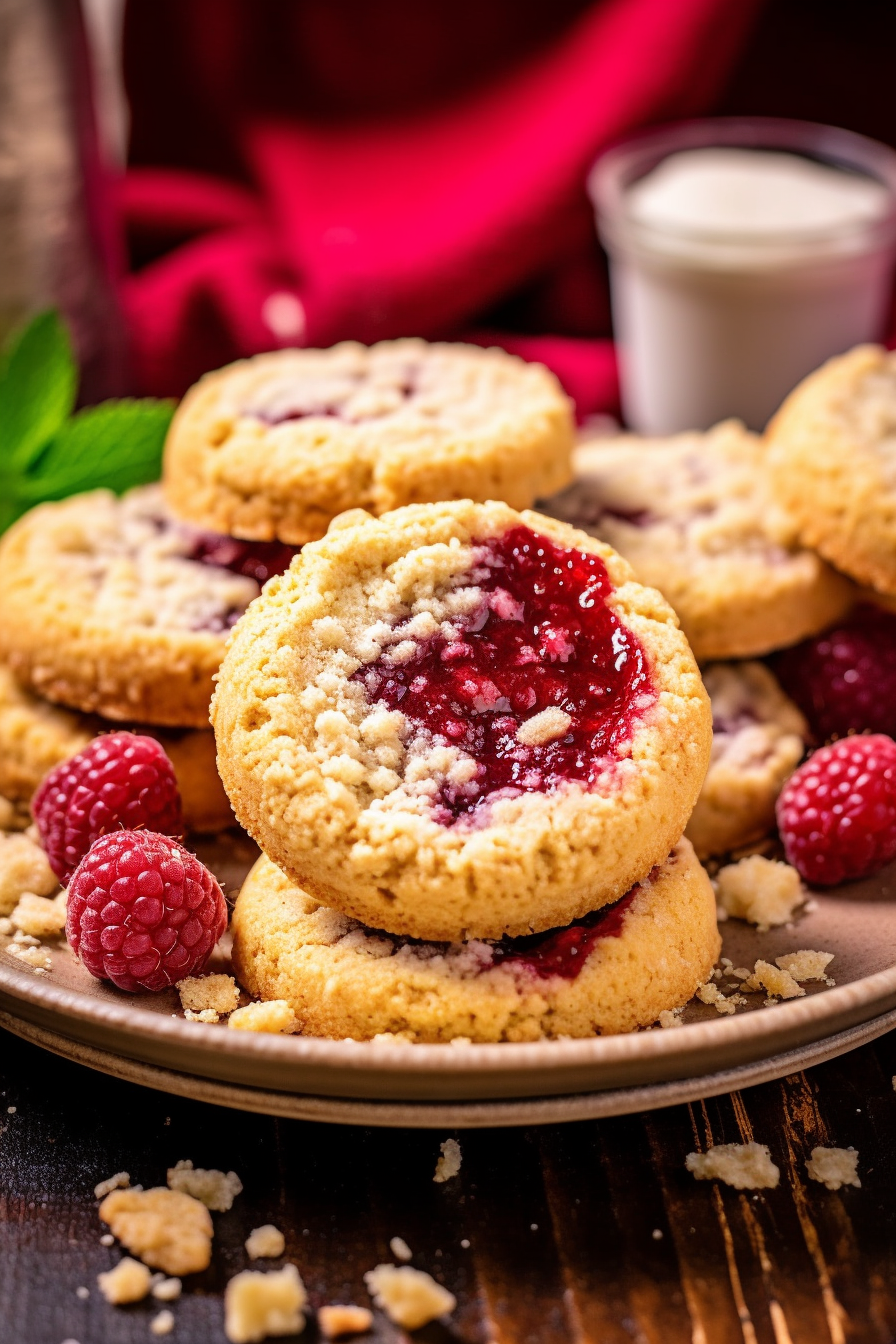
[108, 606]
[277, 445]
[36, 736]
[458, 721]
[758, 739]
[833, 457]
[614, 970]
[694, 517]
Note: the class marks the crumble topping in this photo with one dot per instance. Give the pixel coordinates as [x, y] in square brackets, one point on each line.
[545, 727]
[763, 891]
[265, 1243]
[129, 1281]
[167, 1229]
[834, 1167]
[745, 1166]
[208, 993]
[337, 1320]
[215, 1189]
[448, 1164]
[274, 1016]
[261, 1304]
[409, 1297]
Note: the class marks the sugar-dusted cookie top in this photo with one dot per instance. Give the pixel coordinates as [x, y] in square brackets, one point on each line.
[832, 449]
[277, 445]
[460, 721]
[695, 516]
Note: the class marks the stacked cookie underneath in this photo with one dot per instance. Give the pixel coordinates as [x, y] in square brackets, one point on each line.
[468, 742]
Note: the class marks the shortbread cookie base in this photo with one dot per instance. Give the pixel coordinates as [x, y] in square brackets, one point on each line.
[343, 980]
[82, 619]
[36, 736]
[832, 450]
[320, 786]
[751, 758]
[496, 427]
[695, 517]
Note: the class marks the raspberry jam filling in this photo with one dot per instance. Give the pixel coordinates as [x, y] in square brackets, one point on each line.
[564, 952]
[542, 638]
[258, 560]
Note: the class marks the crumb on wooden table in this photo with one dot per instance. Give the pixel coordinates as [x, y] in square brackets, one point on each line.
[167, 1229]
[834, 1167]
[259, 1303]
[337, 1320]
[745, 1166]
[162, 1323]
[765, 892]
[409, 1297]
[119, 1181]
[265, 1243]
[129, 1281]
[215, 1189]
[166, 1290]
[401, 1250]
[448, 1164]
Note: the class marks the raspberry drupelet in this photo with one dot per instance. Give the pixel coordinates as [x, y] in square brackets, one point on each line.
[143, 911]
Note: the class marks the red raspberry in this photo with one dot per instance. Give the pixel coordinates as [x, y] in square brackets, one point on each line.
[120, 780]
[143, 912]
[844, 680]
[837, 812]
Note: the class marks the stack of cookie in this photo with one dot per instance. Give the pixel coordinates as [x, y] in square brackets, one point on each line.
[467, 740]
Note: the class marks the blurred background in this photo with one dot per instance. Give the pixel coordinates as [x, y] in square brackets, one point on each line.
[195, 180]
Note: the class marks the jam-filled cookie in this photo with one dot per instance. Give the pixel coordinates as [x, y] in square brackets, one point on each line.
[277, 445]
[460, 721]
[35, 736]
[758, 739]
[832, 449]
[110, 607]
[612, 971]
[695, 516]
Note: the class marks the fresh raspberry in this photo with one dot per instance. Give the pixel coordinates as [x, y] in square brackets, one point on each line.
[143, 912]
[844, 680]
[837, 812]
[119, 781]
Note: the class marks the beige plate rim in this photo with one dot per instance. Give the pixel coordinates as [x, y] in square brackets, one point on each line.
[365, 1071]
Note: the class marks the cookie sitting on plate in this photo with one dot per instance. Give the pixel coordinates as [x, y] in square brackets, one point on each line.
[458, 721]
[832, 450]
[695, 516]
[277, 445]
[617, 969]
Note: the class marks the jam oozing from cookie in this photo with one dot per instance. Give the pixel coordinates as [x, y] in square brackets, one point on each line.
[542, 639]
[564, 952]
[258, 560]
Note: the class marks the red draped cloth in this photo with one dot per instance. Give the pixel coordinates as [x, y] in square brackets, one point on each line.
[305, 171]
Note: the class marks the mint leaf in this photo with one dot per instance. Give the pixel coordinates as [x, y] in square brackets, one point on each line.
[117, 445]
[38, 381]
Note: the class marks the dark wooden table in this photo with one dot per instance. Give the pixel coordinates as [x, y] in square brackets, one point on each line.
[563, 1223]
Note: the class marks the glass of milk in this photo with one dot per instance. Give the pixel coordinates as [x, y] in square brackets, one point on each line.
[743, 253]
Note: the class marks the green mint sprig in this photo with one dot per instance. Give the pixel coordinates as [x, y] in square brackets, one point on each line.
[47, 451]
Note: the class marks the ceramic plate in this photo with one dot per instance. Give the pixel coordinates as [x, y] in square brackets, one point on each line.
[70, 1012]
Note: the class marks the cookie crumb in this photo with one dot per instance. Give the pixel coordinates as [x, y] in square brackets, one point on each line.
[401, 1250]
[259, 1304]
[82, 1293]
[203, 993]
[772, 978]
[765, 892]
[23, 868]
[710, 993]
[40, 916]
[38, 958]
[670, 1017]
[409, 1297]
[448, 1164]
[215, 1189]
[745, 1166]
[207, 1015]
[834, 1167]
[806, 965]
[162, 1324]
[166, 1290]
[119, 1181]
[545, 727]
[657, 1234]
[265, 1243]
[168, 1229]
[274, 1016]
[339, 1320]
[129, 1281]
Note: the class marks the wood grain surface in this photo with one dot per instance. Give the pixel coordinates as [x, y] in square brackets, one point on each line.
[592, 1231]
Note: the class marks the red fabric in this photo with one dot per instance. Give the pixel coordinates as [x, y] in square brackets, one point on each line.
[419, 223]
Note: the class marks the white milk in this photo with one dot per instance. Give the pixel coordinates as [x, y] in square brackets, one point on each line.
[734, 273]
